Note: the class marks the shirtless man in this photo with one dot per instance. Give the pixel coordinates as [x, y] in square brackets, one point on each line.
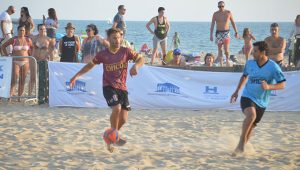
[162, 27]
[222, 18]
[276, 44]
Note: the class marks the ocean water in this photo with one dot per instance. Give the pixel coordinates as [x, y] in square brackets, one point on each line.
[194, 36]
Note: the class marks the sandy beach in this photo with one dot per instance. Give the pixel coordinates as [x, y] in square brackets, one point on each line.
[39, 137]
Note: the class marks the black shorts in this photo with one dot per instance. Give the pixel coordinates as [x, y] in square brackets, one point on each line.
[246, 102]
[114, 97]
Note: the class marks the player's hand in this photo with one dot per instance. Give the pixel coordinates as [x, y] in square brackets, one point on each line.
[211, 38]
[264, 85]
[72, 81]
[234, 96]
[133, 70]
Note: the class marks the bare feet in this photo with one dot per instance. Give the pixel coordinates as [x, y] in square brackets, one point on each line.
[110, 148]
[238, 151]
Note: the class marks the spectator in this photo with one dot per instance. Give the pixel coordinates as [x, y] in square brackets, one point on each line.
[276, 45]
[22, 46]
[178, 59]
[209, 60]
[7, 26]
[119, 21]
[26, 20]
[92, 44]
[69, 45]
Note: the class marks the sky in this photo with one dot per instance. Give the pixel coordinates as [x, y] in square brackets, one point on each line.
[176, 10]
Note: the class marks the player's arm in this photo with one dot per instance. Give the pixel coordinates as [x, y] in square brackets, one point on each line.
[277, 86]
[241, 84]
[139, 61]
[212, 26]
[148, 26]
[84, 70]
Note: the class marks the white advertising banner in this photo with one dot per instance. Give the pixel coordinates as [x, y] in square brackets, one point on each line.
[87, 91]
[5, 76]
[157, 87]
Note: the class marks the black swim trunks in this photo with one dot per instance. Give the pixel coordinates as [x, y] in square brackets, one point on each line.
[246, 102]
[114, 97]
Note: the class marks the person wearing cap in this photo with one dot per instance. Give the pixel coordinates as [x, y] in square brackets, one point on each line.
[178, 59]
[119, 21]
[69, 45]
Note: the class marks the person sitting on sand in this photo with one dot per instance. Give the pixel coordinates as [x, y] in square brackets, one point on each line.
[209, 60]
[247, 37]
[261, 74]
[178, 59]
[276, 45]
[115, 63]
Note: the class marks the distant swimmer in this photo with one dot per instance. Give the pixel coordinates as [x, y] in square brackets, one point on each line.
[115, 63]
[161, 29]
[276, 45]
[222, 17]
[260, 75]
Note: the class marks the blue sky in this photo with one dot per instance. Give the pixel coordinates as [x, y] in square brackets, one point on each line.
[176, 10]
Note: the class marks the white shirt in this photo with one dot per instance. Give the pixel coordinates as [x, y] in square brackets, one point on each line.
[8, 26]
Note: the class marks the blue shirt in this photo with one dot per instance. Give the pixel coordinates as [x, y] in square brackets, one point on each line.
[270, 72]
[119, 19]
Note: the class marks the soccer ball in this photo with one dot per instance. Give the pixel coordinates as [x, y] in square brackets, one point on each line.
[111, 135]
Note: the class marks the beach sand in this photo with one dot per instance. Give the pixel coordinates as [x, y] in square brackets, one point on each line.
[39, 137]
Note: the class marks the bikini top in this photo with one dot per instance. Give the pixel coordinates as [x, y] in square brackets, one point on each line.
[20, 47]
[41, 45]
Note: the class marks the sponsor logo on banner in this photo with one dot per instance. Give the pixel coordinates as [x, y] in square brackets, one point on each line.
[167, 89]
[212, 93]
[78, 88]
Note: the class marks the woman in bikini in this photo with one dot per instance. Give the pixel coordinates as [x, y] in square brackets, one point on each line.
[22, 46]
[42, 49]
[247, 37]
[26, 21]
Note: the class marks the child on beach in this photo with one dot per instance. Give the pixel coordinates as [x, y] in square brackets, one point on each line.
[247, 37]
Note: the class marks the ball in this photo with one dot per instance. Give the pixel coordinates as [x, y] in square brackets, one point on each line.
[111, 135]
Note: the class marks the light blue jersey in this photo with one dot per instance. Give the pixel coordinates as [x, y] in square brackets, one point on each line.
[270, 72]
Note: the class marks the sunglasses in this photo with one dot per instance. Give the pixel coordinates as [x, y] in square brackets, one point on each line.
[87, 30]
[220, 6]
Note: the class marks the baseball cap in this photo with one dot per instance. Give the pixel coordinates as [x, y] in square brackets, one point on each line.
[176, 51]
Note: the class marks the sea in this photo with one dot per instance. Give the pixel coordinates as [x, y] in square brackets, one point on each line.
[194, 36]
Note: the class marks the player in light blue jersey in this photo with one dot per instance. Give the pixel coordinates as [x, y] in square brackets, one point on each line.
[263, 75]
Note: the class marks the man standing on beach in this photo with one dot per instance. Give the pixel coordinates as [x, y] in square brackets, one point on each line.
[115, 62]
[261, 74]
[162, 27]
[7, 26]
[276, 44]
[119, 21]
[222, 17]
